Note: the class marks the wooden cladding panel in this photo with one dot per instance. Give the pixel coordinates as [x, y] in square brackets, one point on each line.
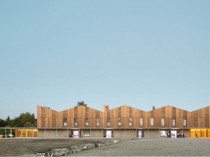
[207, 117]
[86, 112]
[43, 122]
[59, 122]
[130, 112]
[163, 112]
[173, 112]
[119, 112]
[75, 112]
[49, 124]
[54, 118]
[189, 119]
[65, 114]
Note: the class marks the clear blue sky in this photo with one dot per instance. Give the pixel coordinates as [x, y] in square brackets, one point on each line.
[118, 52]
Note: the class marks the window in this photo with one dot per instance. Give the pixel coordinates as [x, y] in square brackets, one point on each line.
[64, 121]
[75, 122]
[119, 123]
[130, 121]
[86, 133]
[86, 122]
[184, 121]
[152, 122]
[173, 122]
[162, 121]
[97, 121]
[141, 122]
[108, 122]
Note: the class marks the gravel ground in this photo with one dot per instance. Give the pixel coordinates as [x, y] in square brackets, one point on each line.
[26, 146]
[138, 147]
[154, 147]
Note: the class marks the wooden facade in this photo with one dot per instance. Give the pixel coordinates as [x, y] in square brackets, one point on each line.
[121, 118]
[123, 121]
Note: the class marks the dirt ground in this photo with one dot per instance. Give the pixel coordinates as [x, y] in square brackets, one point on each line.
[22, 146]
[154, 147]
[137, 147]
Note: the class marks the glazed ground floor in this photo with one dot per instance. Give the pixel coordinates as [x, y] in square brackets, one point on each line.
[105, 132]
[115, 133]
[7, 132]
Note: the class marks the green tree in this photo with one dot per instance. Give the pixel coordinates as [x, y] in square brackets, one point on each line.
[81, 103]
[8, 121]
[24, 120]
[2, 123]
[27, 118]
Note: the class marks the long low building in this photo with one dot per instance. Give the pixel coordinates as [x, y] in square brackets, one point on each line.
[123, 121]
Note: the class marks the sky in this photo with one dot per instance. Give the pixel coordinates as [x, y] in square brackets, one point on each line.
[140, 53]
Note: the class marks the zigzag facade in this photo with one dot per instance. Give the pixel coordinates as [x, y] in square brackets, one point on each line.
[123, 121]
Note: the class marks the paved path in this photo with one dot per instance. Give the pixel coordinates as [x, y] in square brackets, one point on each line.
[153, 147]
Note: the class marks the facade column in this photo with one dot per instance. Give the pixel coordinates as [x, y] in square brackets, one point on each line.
[182, 132]
[159, 132]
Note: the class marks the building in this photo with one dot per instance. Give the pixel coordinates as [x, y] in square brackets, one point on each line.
[123, 121]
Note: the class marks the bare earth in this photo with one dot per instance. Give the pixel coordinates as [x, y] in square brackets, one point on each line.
[23, 146]
[139, 147]
[154, 147]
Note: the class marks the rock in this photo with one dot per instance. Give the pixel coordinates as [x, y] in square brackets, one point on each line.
[84, 147]
[106, 143]
[97, 144]
[91, 145]
[100, 145]
[111, 142]
[115, 141]
[88, 146]
[40, 154]
[81, 147]
[74, 149]
[60, 151]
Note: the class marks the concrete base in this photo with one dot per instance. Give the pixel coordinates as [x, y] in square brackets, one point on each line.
[116, 133]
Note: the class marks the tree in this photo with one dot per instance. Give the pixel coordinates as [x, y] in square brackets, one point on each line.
[81, 103]
[8, 121]
[28, 124]
[24, 120]
[153, 107]
[3, 123]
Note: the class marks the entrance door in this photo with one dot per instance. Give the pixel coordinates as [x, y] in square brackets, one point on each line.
[75, 134]
[163, 133]
[140, 134]
[108, 134]
[173, 134]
